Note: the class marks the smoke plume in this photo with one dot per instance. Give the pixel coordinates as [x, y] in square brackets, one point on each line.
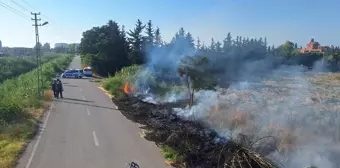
[280, 111]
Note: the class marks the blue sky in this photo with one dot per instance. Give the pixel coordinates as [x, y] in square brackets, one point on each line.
[295, 20]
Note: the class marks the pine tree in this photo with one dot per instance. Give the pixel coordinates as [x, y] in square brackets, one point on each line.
[181, 32]
[212, 45]
[136, 40]
[150, 34]
[124, 39]
[158, 38]
[190, 40]
[218, 47]
[198, 44]
[227, 43]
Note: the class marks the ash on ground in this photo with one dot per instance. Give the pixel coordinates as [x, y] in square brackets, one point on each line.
[298, 116]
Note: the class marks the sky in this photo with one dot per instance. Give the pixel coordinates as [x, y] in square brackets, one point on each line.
[294, 20]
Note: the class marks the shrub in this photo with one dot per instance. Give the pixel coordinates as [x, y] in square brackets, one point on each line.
[115, 84]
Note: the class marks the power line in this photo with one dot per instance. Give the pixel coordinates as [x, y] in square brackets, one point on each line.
[14, 10]
[23, 8]
[46, 18]
[28, 4]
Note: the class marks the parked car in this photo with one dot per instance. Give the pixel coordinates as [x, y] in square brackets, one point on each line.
[73, 73]
[87, 71]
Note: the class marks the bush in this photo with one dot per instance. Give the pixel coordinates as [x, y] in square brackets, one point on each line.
[10, 113]
[115, 84]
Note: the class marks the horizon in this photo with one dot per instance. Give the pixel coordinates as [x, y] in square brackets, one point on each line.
[241, 18]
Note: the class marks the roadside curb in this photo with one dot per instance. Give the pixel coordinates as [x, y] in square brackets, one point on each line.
[106, 92]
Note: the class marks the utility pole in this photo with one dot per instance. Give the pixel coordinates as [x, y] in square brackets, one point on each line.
[37, 49]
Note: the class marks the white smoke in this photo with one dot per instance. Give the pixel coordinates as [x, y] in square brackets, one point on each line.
[285, 103]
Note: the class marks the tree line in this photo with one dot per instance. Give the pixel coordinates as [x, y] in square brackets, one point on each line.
[110, 47]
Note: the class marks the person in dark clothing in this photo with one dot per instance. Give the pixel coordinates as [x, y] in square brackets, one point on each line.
[60, 88]
[54, 88]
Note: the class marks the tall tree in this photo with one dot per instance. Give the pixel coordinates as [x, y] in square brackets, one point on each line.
[136, 40]
[149, 34]
[218, 47]
[158, 38]
[212, 45]
[287, 49]
[227, 43]
[105, 48]
[198, 44]
[190, 40]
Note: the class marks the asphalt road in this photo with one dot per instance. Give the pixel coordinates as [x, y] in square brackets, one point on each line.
[83, 130]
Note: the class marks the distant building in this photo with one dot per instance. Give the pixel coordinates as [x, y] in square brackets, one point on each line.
[60, 45]
[0, 45]
[312, 46]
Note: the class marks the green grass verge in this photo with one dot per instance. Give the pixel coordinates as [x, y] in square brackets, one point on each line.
[20, 107]
[170, 154]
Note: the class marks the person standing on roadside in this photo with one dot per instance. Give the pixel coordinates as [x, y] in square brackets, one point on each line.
[54, 88]
[60, 88]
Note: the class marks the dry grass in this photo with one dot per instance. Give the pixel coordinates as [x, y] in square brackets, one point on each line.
[48, 96]
[9, 149]
[273, 110]
[332, 78]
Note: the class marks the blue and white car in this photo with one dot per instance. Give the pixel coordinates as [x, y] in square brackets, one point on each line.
[72, 73]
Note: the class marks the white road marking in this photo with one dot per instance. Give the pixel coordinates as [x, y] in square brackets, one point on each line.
[84, 98]
[88, 111]
[39, 138]
[95, 138]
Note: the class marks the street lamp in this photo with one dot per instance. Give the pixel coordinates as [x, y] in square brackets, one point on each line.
[45, 23]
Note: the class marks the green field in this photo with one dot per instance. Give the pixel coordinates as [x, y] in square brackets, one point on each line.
[11, 67]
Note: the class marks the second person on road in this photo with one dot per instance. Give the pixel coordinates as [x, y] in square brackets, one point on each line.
[60, 88]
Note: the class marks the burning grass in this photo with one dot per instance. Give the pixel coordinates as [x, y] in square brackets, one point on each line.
[300, 113]
[291, 119]
[188, 143]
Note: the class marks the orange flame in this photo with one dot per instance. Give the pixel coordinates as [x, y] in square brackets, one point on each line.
[128, 89]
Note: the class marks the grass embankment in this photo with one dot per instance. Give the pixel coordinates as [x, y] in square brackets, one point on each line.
[20, 108]
[115, 84]
[11, 67]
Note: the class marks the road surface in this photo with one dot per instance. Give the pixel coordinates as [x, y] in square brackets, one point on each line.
[84, 130]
